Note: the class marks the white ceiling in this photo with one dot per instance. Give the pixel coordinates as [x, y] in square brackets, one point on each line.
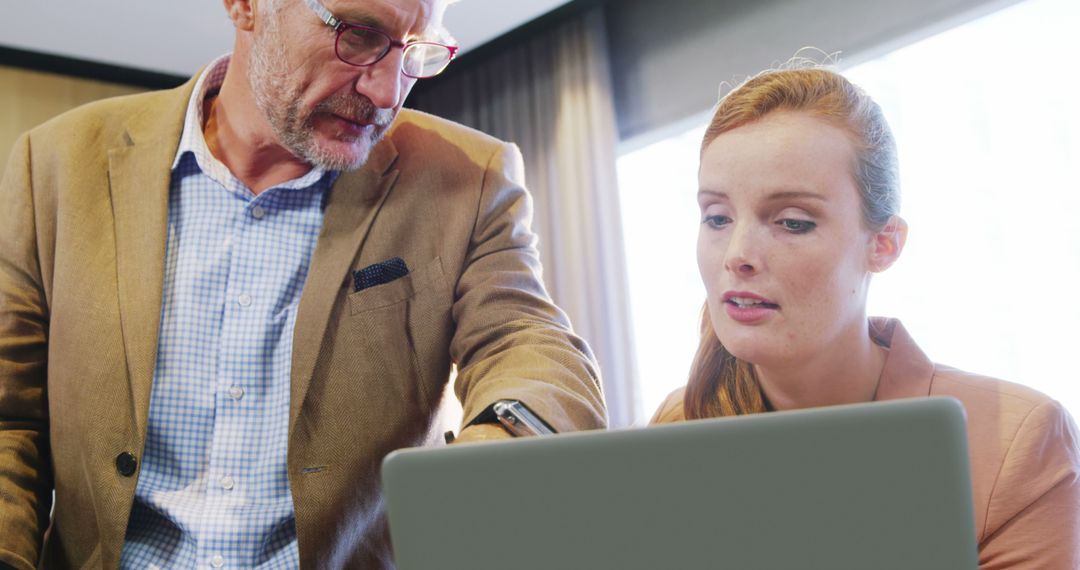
[180, 36]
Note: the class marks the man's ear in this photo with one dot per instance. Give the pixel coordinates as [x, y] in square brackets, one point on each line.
[242, 14]
[886, 245]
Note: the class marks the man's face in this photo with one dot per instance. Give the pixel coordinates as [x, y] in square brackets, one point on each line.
[323, 110]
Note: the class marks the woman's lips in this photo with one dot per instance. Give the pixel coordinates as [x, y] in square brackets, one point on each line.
[746, 307]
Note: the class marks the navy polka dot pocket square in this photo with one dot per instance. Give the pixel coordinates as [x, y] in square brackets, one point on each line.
[379, 273]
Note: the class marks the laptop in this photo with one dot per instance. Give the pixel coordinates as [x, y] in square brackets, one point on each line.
[883, 485]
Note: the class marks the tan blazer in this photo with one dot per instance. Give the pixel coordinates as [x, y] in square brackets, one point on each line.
[1024, 450]
[82, 248]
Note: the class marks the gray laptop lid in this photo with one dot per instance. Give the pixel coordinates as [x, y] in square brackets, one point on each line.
[867, 486]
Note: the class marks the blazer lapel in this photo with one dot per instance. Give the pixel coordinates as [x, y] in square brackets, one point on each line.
[354, 201]
[908, 372]
[139, 179]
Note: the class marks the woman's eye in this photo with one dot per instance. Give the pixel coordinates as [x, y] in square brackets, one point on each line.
[797, 226]
[716, 221]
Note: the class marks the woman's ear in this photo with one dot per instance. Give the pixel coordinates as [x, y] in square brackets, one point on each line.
[242, 14]
[886, 244]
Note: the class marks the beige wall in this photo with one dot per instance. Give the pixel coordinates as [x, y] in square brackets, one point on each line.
[29, 98]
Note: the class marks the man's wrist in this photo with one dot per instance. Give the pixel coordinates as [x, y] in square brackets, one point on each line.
[482, 432]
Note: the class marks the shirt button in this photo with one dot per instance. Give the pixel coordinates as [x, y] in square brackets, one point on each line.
[244, 300]
[258, 212]
[217, 561]
[227, 483]
[227, 243]
[236, 392]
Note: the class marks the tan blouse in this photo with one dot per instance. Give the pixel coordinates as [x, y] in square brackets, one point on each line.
[1024, 447]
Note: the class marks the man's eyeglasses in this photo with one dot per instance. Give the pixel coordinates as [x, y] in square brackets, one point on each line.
[363, 45]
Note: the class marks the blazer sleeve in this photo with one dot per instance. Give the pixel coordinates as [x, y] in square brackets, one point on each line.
[510, 340]
[1033, 518]
[25, 475]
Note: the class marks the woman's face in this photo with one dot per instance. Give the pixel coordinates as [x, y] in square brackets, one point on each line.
[782, 248]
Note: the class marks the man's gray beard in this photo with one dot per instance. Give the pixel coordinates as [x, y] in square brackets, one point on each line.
[280, 104]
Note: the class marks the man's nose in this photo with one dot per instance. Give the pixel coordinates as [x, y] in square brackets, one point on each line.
[381, 81]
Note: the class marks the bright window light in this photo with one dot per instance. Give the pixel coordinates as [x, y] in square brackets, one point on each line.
[988, 131]
[658, 191]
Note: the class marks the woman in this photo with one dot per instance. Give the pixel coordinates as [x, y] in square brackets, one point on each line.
[799, 200]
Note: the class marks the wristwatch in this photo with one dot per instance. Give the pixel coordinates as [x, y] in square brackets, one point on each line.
[518, 419]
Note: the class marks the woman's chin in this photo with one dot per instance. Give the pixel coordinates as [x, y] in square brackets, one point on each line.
[755, 346]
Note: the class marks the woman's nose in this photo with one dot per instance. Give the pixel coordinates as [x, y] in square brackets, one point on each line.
[741, 256]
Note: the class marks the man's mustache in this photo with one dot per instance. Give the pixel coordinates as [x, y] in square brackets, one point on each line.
[358, 109]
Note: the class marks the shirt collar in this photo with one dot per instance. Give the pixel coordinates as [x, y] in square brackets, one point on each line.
[192, 139]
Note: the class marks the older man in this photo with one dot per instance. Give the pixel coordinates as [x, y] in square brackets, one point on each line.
[222, 305]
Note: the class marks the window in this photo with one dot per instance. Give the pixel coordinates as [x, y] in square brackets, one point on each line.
[988, 129]
[658, 192]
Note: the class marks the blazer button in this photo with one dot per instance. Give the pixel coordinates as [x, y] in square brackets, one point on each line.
[125, 464]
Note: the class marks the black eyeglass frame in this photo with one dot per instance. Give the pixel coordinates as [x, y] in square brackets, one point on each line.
[340, 26]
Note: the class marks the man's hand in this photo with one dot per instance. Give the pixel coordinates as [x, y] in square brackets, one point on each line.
[482, 432]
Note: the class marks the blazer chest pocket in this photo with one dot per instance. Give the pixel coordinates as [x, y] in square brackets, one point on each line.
[398, 290]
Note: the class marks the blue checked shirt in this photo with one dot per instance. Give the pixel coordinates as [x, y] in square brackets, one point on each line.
[213, 491]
